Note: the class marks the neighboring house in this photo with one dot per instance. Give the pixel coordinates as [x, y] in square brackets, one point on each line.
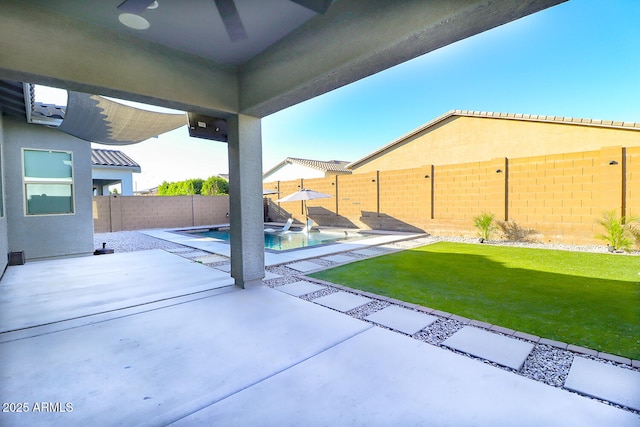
[293, 168]
[462, 136]
[112, 167]
[46, 166]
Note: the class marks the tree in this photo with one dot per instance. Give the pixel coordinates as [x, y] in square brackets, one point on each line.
[215, 185]
[212, 186]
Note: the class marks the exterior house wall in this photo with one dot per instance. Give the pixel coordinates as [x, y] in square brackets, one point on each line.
[42, 236]
[462, 139]
[4, 239]
[115, 174]
[293, 171]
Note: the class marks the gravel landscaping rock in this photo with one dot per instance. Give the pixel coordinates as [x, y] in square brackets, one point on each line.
[548, 364]
[130, 241]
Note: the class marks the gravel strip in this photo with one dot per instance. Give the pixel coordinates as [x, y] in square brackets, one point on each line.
[367, 309]
[548, 364]
[439, 331]
[130, 241]
[318, 294]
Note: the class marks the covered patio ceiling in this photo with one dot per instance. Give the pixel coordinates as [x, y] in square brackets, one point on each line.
[186, 59]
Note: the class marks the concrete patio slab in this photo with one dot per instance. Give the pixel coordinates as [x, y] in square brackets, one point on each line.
[304, 266]
[226, 356]
[342, 301]
[157, 366]
[402, 319]
[502, 350]
[381, 378]
[339, 258]
[51, 291]
[299, 288]
[604, 381]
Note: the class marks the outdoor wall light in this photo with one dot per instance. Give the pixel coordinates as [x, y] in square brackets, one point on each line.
[426, 176]
[499, 171]
[373, 180]
[613, 162]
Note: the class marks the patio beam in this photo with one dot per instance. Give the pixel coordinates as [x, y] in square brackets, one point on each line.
[245, 200]
[42, 47]
[356, 39]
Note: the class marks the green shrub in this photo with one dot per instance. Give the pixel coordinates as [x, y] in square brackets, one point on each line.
[485, 225]
[620, 233]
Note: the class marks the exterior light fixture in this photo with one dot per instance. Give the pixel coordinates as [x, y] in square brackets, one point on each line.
[133, 21]
[613, 162]
[426, 176]
[499, 171]
[373, 180]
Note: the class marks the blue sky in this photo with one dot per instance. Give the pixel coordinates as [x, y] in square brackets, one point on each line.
[577, 59]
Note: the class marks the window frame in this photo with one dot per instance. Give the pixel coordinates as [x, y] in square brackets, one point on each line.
[57, 181]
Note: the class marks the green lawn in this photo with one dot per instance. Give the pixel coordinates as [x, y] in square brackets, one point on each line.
[586, 299]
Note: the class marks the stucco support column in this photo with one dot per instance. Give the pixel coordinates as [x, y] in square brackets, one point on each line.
[245, 200]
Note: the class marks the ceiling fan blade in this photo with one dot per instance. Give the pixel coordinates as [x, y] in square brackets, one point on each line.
[318, 6]
[231, 20]
[134, 6]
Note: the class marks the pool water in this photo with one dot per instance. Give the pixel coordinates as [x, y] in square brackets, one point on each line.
[291, 239]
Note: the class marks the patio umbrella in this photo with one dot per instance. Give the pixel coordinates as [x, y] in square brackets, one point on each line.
[304, 195]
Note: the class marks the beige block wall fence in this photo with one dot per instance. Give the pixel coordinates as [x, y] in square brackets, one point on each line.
[120, 213]
[560, 196]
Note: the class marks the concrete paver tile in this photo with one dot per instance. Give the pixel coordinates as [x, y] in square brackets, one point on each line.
[339, 258]
[299, 288]
[342, 301]
[402, 319]
[304, 266]
[604, 381]
[502, 350]
[367, 252]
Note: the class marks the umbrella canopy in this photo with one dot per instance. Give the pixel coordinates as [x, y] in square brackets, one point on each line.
[267, 192]
[304, 194]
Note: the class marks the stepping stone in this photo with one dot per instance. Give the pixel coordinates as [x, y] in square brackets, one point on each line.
[367, 252]
[339, 258]
[342, 301]
[195, 254]
[487, 345]
[179, 250]
[224, 267]
[299, 288]
[269, 275]
[304, 266]
[402, 319]
[208, 259]
[604, 381]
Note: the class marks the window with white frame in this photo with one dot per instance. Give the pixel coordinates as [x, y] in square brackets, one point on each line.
[48, 182]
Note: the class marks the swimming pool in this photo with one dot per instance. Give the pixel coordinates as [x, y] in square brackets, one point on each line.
[288, 240]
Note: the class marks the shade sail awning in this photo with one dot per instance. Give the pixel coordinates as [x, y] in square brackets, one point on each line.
[97, 119]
